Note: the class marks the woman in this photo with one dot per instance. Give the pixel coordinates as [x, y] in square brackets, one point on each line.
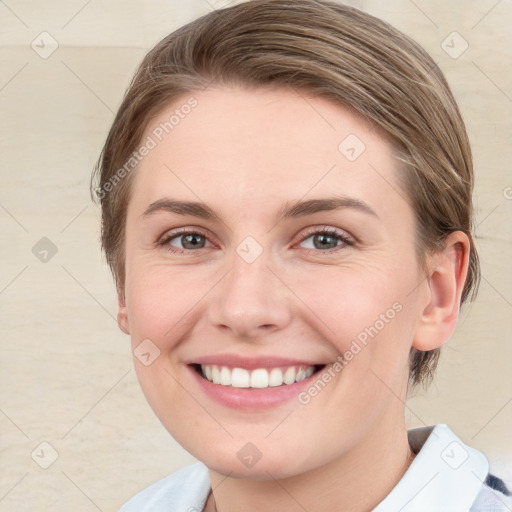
[286, 208]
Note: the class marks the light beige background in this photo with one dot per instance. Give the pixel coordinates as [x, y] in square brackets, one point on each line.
[67, 376]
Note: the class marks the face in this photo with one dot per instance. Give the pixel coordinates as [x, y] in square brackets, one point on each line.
[298, 256]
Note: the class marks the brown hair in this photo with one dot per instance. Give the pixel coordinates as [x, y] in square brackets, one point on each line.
[327, 50]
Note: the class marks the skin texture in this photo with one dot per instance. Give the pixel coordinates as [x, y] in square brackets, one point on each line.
[245, 154]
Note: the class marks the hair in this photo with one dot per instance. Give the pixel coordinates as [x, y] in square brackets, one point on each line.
[326, 50]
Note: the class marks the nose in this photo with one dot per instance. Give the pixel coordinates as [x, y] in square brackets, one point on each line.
[250, 301]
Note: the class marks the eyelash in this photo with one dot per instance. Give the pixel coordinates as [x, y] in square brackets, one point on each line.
[346, 241]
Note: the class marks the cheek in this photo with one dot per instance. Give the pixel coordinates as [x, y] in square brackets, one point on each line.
[161, 301]
[367, 314]
[149, 308]
[347, 301]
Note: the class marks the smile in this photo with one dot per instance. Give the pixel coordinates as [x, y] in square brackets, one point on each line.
[252, 384]
[259, 378]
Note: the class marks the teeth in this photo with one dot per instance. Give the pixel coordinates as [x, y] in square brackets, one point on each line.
[225, 376]
[289, 375]
[259, 378]
[238, 378]
[276, 377]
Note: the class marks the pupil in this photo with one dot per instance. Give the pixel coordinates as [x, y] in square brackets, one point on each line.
[190, 239]
[323, 237]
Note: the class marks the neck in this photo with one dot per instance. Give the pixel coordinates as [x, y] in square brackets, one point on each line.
[355, 482]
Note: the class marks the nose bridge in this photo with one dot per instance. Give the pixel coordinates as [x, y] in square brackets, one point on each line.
[250, 300]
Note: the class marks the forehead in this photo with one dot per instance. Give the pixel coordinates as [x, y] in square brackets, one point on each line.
[240, 146]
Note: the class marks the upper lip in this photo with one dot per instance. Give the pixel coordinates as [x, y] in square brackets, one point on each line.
[252, 363]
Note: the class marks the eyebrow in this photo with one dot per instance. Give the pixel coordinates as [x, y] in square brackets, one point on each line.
[290, 209]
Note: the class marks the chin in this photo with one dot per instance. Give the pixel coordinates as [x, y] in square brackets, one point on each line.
[236, 463]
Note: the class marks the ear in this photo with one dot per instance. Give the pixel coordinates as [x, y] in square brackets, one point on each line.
[122, 313]
[448, 269]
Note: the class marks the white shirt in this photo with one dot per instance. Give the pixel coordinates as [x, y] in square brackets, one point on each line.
[445, 476]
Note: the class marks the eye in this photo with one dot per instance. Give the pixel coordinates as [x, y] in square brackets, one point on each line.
[327, 239]
[323, 240]
[184, 240]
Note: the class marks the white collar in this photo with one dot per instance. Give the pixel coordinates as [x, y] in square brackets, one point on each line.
[446, 475]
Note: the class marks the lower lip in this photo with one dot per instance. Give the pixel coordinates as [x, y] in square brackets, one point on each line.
[251, 399]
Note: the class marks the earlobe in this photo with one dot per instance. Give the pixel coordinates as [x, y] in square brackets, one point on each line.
[445, 283]
[122, 314]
